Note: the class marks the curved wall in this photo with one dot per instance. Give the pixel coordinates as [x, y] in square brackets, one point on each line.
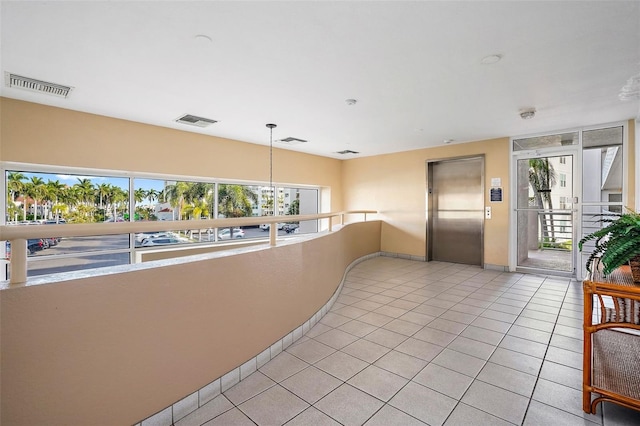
[115, 349]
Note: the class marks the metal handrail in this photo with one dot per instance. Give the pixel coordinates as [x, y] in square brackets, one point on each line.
[18, 235]
[555, 228]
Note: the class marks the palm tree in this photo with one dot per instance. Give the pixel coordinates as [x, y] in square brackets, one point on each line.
[85, 190]
[53, 190]
[153, 195]
[85, 195]
[118, 197]
[36, 189]
[15, 184]
[196, 209]
[12, 210]
[196, 191]
[139, 194]
[542, 177]
[15, 188]
[235, 201]
[175, 193]
[103, 192]
[200, 196]
[67, 198]
[59, 210]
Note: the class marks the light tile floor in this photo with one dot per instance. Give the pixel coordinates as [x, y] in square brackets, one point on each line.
[414, 343]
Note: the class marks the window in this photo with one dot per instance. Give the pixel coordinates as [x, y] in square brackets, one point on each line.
[549, 141]
[563, 180]
[563, 203]
[300, 201]
[170, 200]
[563, 160]
[36, 197]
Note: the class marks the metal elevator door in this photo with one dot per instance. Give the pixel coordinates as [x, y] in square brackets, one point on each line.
[455, 210]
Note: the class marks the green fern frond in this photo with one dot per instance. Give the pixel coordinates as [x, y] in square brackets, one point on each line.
[616, 243]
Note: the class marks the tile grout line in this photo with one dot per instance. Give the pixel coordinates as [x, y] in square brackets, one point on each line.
[466, 284]
[545, 357]
[453, 285]
[487, 360]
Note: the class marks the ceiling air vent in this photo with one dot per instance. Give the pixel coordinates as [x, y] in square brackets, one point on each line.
[347, 151]
[193, 120]
[21, 82]
[291, 141]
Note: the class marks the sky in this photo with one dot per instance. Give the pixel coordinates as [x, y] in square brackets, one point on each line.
[123, 183]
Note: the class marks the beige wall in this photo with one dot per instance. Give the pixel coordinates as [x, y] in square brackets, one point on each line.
[33, 133]
[395, 185]
[113, 350]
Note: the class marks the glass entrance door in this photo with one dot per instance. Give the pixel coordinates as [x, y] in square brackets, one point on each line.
[602, 182]
[545, 213]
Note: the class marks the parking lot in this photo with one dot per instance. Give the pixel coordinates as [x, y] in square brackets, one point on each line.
[78, 251]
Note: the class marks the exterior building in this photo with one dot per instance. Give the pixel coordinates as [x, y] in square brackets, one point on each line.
[265, 194]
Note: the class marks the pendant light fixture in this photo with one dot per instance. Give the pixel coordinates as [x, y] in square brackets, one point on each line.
[271, 188]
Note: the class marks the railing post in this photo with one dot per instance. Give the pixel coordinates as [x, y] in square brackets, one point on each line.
[273, 232]
[330, 223]
[342, 219]
[18, 261]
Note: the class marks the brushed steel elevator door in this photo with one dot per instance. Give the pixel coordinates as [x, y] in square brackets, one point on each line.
[455, 210]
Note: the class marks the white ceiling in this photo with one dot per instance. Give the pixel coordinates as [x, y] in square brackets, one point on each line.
[414, 67]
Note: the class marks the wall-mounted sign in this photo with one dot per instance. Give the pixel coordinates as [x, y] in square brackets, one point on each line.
[496, 195]
[496, 182]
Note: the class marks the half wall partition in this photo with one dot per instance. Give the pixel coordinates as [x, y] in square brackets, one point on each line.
[117, 348]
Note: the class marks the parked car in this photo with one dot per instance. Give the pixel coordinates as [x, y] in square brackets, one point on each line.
[150, 242]
[118, 219]
[225, 233]
[34, 245]
[290, 228]
[266, 226]
[141, 237]
[55, 222]
[50, 242]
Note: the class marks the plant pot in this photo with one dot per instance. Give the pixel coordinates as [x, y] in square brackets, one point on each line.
[635, 269]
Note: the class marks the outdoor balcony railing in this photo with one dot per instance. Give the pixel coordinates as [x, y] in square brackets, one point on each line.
[18, 235]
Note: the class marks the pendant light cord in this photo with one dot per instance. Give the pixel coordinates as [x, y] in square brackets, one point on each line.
[271, 188]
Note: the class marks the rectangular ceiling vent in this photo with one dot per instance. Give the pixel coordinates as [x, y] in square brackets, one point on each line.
[347, 151]
[193, 120]
[291, 141]
[21, 82]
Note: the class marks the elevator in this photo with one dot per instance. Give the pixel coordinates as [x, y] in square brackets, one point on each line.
[455, 210]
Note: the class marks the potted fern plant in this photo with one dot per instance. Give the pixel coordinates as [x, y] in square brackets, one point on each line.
[617, 244]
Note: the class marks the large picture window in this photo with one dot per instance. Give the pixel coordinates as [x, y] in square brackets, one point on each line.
[39, 197]
[36, 198]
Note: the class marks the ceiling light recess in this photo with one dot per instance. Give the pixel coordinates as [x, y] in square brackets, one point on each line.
[194, 120]
[528, 114]
[491, 59]
[27, 83]
[291, 141]
[203, 38]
